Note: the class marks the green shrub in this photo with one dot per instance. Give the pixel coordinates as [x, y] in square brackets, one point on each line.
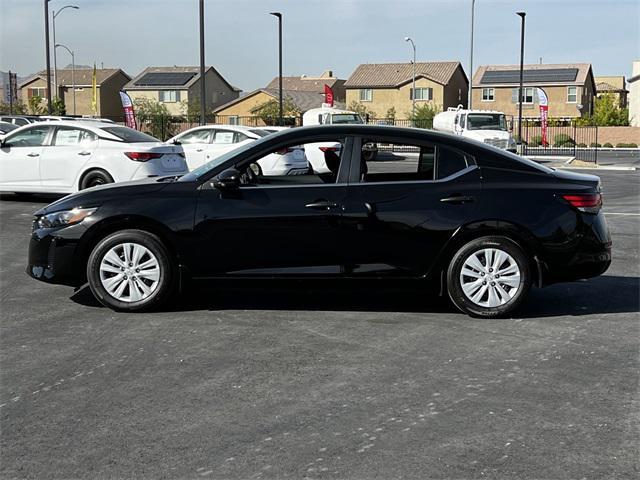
[594, 144]
[581, 145]
[607, 145]
[626, 145]
[563, 140]
[535, 141]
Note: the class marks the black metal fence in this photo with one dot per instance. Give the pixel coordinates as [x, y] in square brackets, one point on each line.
[563, 139]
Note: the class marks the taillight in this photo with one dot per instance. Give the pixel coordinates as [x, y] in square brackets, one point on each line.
[328, 149]
[585, 202]
[142, 156]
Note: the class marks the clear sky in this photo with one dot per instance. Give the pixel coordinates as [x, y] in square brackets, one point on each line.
[241, 36]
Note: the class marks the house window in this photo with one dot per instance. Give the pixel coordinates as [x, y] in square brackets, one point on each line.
[234, 120]
[169, 96]
[488, 94]
[527, 95]
[572, 94]
[366, 95]
[37, 92]
[422, 93]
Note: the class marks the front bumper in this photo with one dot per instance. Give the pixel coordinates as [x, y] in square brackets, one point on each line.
[52, 258]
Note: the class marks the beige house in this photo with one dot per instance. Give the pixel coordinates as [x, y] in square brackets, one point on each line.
[178, 87]
[570, 89]
[634, 95]
[614, 85]
[383, 86]
[109, 82]
[304, 83]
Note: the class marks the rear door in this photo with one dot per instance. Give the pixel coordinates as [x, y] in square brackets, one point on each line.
[223, 141]
[69, 150]
[406, 204]
[20, 158]
[195, 145]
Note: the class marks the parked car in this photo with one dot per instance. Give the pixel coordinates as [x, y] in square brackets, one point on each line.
[477, 222]
[57, 118]
[6, 127]
[206, 143]
[19, 120]
[64, 157]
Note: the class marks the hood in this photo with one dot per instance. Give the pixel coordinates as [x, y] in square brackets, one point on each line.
[482, 135]
[96, 196]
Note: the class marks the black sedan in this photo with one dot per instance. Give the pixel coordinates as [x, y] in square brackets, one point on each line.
[478, 223]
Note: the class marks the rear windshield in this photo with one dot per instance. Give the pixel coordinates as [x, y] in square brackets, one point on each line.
[259, 132]
[129, 135]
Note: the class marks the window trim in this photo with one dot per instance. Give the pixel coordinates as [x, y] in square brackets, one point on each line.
[369, 97]
[429, 90]
[576, 94]
[493, 94]
[56, 128]
[45, 143]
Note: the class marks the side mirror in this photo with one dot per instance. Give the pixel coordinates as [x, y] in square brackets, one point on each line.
[228, 179]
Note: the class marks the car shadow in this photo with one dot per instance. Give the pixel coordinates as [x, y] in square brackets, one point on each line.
[605, 294]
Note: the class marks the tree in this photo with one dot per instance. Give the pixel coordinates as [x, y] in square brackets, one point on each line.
[35, 105]
[606, 113]
[423, 117]
[154, 117]
[19, 108]
[269, 111]
[58, 107]
[391, 115]
[361, 109]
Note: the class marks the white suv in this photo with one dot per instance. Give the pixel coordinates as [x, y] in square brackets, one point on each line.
[67, 156]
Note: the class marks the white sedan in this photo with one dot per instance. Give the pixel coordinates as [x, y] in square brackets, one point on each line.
[67, 156]
[206, 143]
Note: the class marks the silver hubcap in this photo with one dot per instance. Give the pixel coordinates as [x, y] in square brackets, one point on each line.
[129, 272]
[490, 277]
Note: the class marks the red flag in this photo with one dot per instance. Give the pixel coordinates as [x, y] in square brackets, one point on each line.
[328, 95]
[544, 114]
[127, 106]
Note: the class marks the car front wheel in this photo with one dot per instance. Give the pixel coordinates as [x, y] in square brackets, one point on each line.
[489, 277]
[131, 271]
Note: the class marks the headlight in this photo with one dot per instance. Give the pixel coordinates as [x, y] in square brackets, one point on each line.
[64, 217]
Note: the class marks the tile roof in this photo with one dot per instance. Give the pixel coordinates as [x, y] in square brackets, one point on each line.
[581, 78]
[304, 84]
[302, 100]
[83, 77]
[175, 69]
[388, 75]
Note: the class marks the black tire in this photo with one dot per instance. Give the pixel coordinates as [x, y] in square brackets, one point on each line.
[94, 178]
[167, 271]
[454, 281]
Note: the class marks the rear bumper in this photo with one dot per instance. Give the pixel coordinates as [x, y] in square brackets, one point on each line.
[581, 266]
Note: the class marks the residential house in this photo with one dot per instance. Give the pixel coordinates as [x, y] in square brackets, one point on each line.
[109, 81]
[634, 95]
[239, 111]
[178, 87]
[570, 89]
[613, 85]
[304, 83]
[384, 86]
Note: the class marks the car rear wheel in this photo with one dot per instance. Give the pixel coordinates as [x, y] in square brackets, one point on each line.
[131, 270]
[94, 178]
[489, 277]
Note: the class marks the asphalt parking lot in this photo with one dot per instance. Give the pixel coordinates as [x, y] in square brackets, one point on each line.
[337, 380]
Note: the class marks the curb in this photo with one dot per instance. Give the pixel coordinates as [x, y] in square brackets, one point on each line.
[597, 167]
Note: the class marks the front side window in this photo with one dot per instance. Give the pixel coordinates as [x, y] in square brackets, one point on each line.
[572, 94]
[32, 137]
[342, 118]
[197, 136]
[486, 121]
[421, 93]
[488, 94]
[406, 162]
[366, 95]
[169, 96]
[69, 136]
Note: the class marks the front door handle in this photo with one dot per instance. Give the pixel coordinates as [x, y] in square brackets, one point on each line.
[33, 154]
[322, 205]
[458, 199]
[84, 153]
[200, 150]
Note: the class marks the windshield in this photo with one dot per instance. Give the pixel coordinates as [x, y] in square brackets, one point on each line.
[129, 135]
[486, 121]
[339, 118]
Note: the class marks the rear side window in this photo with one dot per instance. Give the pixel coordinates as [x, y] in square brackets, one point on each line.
[260, 132]
[450, 162]
[129, 135]
[224, 137]
[70, 136]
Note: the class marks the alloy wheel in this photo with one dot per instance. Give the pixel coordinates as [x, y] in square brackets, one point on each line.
[129, 272]
[490, 277]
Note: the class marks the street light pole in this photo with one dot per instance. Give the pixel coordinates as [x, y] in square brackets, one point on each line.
[55, 59]
[521, 15]
[203, 103]
[413, 94]
[281, 115]
[470, 100]
[47, 48]
[73, 71]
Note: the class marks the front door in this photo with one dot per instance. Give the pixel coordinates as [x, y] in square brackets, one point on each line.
[20, 158]
[62, 160]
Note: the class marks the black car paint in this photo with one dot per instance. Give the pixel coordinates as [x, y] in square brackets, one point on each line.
[370, 230]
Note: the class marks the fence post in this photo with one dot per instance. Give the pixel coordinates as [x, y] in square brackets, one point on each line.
[595, 159]
[575, 131]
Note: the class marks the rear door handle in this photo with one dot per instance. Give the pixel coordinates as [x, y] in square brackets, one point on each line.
[84, 153]
[322, 205]
[458, 199]
[33, 154]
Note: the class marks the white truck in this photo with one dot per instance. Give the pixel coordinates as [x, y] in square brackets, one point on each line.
[487, 126]
[315, 152]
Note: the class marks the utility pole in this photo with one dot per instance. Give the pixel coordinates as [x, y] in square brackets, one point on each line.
[470, 100]
[521, 15]
[281, 110]
[48, 48]
[203, 102]
[413, 95]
